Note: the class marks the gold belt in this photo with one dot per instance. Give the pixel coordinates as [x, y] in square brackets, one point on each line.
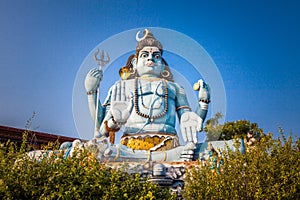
[154, 142]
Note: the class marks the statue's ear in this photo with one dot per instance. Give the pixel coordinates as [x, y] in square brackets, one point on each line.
[133, 62]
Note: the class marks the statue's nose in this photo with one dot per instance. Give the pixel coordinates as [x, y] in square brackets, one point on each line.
[150, 57]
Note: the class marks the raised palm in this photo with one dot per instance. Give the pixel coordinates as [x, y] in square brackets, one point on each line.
[121, 105]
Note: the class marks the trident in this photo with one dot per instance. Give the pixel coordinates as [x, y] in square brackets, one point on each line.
[101, 62]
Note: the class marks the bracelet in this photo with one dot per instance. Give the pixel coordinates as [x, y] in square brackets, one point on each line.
[205, 101]
[117, 123]
[181, 107]
[106, 104]
[92, 92]
[110, 129]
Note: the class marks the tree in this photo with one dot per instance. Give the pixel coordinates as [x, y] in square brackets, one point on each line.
[212, 127]
[239, 129]
[230, 130]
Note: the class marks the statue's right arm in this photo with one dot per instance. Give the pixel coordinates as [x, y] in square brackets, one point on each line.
[92, 80]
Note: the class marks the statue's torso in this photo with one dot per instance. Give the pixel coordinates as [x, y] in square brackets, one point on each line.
[154, 108]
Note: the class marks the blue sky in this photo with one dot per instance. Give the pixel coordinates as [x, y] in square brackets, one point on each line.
[254, 44]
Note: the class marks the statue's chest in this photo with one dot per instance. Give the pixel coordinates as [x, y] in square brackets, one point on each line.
[151, 88]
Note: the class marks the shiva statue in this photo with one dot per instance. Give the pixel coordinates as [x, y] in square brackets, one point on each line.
[143, 106]
[146, 102]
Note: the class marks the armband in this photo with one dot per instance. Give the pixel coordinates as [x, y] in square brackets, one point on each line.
[204, 101]
[203, 106]
[92, 92]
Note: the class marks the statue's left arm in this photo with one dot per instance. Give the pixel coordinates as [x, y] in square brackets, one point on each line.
[204, 98]
[190, 122]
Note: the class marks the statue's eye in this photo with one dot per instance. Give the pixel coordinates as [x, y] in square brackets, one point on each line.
[157, 56]
[144, 55]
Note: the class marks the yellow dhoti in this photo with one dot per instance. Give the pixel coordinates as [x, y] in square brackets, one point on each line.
[153, 141]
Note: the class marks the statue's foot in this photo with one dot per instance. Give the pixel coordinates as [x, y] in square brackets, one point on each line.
[178, 154]
[187, 153]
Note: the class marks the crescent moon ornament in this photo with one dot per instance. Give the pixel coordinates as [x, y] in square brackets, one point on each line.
[137, 35]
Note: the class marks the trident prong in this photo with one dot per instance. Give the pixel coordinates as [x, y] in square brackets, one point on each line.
[101, 61]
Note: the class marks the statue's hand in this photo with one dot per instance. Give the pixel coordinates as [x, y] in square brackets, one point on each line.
[121, 105]
[190, 123]
[93, 79]
[204, 90]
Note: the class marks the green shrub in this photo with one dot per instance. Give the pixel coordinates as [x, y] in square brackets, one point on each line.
[270, 170]
[73, 178]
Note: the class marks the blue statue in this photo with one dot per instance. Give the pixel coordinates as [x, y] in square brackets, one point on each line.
[146, 102]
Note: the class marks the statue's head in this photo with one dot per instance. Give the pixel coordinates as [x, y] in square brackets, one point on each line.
[147, 40]
[148, 61]
[148, 57]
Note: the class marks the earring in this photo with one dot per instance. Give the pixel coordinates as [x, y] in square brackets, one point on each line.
[165, 73]
[124, 72]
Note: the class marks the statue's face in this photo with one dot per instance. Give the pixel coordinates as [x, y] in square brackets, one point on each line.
[149, 62]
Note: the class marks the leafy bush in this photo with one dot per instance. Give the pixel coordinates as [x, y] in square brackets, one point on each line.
[79, 177]
[270, 170]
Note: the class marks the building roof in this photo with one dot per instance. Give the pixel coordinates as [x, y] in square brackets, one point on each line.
[34, 137]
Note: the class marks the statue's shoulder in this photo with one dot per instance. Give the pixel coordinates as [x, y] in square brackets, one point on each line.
[129, 81]
[174, 85]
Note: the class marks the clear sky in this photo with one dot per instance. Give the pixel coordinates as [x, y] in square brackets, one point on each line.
[254, 44]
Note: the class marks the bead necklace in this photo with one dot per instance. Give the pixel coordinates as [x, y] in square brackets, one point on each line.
[136, 102]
